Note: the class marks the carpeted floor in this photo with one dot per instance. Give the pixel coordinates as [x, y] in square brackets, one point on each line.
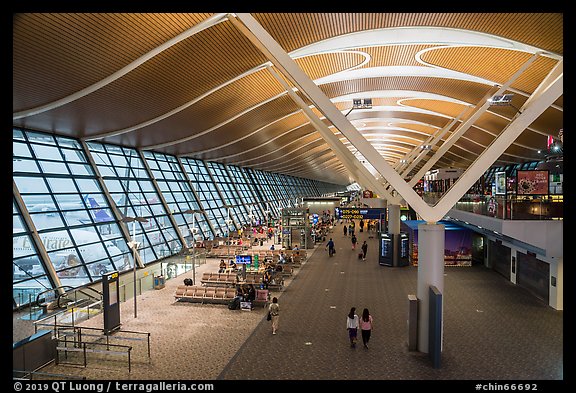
[493, 330]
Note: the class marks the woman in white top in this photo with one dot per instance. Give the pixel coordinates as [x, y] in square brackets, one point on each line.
[352, 322]
[274, 310]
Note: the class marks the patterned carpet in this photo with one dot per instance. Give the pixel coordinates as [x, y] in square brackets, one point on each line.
[493, 330]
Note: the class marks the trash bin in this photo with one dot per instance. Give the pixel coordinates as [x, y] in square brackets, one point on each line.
[159, 282]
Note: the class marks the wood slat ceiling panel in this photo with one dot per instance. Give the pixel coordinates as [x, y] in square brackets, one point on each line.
[318, 66]
[318, 161]
[237, 128]
[416, 127]
[295, 153]
[327, 169]
[408, 139]
[385, 101]
[398, 145]
[269, 139]
[75, 50]
[296, 30]
[202, 115]
[142, 100]
[465, 91]
[446, 108]
[497, 64]
[295, 158]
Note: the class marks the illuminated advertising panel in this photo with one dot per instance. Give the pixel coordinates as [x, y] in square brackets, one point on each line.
[532, 182]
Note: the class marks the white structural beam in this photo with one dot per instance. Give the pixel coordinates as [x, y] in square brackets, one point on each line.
[357, 169]
[276, 54]
[432, 141]
[549, 90]
[482, 107]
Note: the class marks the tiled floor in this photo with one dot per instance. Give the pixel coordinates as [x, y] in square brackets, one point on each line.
[493, 330]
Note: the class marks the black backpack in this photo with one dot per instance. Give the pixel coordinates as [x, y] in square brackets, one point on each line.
[234, 304]
[188, 281]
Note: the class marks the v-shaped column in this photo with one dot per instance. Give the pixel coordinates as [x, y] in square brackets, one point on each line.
[276, 54]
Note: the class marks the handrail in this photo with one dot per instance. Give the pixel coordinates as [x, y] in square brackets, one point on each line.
[85, 350]
[81, 290]
[79, 329]
[37, 302]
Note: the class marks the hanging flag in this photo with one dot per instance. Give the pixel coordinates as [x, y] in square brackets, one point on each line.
[549, 141]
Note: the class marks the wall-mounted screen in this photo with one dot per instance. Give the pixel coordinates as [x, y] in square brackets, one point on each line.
[244, 259]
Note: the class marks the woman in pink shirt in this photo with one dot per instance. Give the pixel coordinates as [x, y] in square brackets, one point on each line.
[366, 325]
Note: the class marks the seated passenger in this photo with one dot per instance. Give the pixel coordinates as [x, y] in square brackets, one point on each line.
[282, 258]
[222, 266]
[279, 268]
[233, 265]
[272, 247]
[251, 295]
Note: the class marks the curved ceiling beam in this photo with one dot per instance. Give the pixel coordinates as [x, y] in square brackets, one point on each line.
[173, 111]
[415, 36]
[396, 71]
[213, 20]
[201, 133]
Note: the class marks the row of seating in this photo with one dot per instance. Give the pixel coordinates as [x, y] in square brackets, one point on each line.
[219, 279]
[213, 295]
[205, 294]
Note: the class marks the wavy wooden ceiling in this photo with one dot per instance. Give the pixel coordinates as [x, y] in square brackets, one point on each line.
[208, 96]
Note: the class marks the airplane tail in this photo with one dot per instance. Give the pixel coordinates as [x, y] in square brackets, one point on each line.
[99, 214]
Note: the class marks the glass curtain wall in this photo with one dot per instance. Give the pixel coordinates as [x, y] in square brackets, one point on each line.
[67, 214]
[134, 195]
[179, 197]
[78, 234]
[209, 195]
[247, 192]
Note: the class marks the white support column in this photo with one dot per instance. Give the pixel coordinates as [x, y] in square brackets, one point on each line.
[481, 107]
[394, 219]
[430, 272]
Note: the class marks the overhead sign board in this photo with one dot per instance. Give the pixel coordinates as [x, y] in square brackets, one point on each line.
[359, 213]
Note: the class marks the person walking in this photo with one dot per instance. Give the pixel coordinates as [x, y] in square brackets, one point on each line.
[330, 247]
[345, 230]
[354, 241]
[274, 310]
[352, 326]
[364, 250]
[366, 325]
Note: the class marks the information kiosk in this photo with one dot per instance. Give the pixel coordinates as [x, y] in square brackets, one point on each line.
[111, 299]
[243, 260]
[393, 249]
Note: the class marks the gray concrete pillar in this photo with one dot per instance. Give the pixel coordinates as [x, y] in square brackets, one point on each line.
[430, 272]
